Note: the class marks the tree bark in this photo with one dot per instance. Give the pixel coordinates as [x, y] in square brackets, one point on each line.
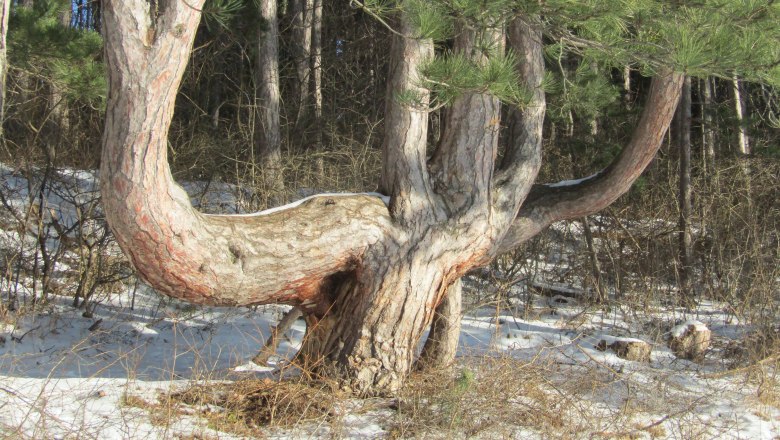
[684, 197]
[549, 203]
[267, 130]
[628, 98]
[442, 344]
[302, 36]
[5, 13]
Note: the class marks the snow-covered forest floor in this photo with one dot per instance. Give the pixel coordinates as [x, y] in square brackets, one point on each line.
[529, 365]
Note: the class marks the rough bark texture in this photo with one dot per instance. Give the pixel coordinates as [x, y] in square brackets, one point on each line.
[442, 344]
[267, 129]
[368, 277]
[238, 260]
[5, 12]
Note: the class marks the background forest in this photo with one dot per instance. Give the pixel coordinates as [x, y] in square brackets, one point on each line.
[701, 225]
[332, 70]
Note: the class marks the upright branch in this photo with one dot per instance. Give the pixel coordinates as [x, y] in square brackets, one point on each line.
[523, 155]
[463, 162]
[405, 175]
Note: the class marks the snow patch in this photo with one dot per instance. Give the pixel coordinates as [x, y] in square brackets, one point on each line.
[385, 199]
[564, 183]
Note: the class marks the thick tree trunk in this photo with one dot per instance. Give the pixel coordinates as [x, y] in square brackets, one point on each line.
[5, 13]
[683, 126]
[267, 129]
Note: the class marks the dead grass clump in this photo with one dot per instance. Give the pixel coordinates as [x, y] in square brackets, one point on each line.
[161, 413]
[760, 347]
[242, 407]
[485, 396]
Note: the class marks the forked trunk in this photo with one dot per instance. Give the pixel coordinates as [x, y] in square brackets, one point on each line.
[369, 277]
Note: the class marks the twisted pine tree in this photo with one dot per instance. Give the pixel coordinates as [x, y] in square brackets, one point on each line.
[368, 276]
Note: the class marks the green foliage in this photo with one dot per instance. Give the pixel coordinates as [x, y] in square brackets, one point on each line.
[703, 38]
[70, 58]
[587, 93]
[453, 74]
[221, 12]
[431, 20]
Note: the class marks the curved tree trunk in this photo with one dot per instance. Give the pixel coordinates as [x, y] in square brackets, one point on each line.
[368, 277]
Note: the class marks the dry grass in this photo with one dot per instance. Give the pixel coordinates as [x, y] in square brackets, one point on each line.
[493, 397]
[245, 406]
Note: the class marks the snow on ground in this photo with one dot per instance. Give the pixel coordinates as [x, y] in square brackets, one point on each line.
[66, 376]
[62, 376]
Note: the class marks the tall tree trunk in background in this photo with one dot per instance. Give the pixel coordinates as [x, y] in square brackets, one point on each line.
[302, 34]
[5, 12]
[267, 135]
[739, 106]
[595, 267]
[683, 127]
[708, 125]
[316, 66]
[58, 124]
[628, 98]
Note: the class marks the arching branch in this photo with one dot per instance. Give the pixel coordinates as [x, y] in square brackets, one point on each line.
[549, 203]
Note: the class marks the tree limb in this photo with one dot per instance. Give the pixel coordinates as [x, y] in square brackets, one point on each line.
[547, 203]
